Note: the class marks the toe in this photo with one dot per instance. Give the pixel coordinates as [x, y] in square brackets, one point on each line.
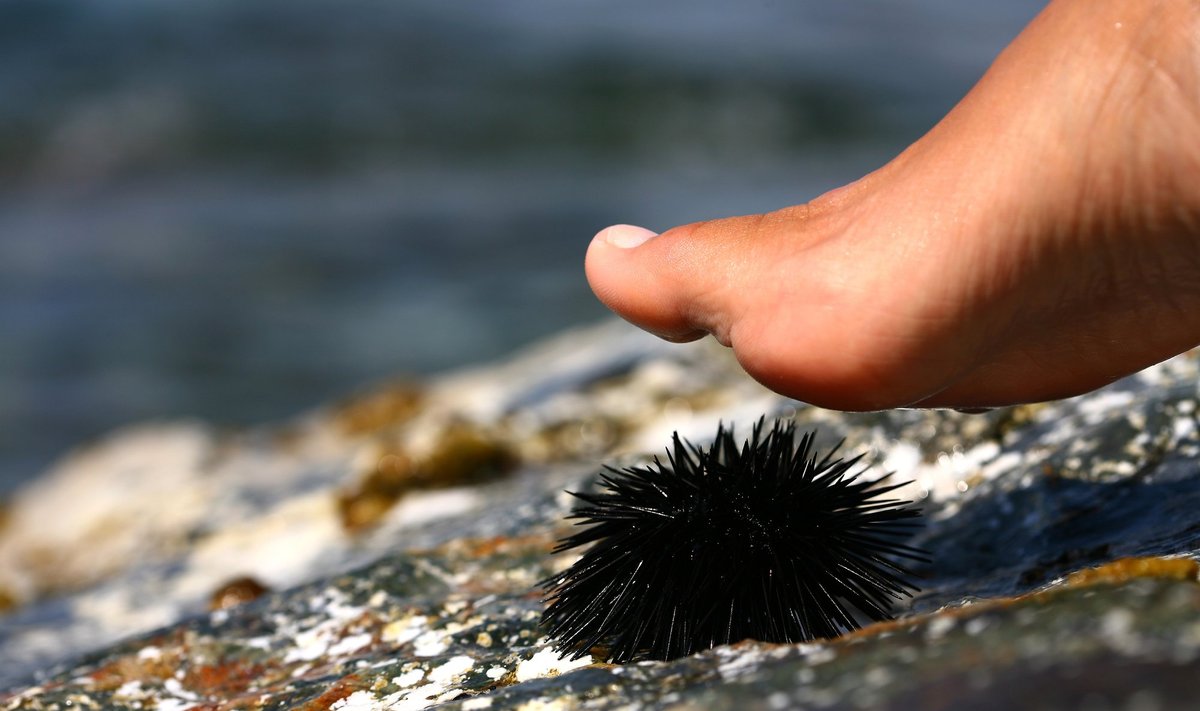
[679, 285]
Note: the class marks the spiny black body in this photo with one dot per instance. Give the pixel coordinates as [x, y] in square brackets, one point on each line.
[765, 541]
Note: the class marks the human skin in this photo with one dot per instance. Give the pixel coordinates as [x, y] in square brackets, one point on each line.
[1040, 241]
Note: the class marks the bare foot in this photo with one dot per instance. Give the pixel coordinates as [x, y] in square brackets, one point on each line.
[1042, 240]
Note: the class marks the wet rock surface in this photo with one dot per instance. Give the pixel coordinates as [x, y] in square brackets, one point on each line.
[1062, 538]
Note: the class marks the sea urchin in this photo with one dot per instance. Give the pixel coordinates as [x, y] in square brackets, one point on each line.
[765, 542]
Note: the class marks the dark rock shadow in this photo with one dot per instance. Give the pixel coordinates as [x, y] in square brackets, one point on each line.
[1010, 541]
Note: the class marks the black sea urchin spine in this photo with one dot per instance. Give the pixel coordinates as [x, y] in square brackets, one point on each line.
[765, 541]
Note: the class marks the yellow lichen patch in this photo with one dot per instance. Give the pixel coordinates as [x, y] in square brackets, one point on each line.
[461, 455]
[1126, 569]
[392, 405]
[236, 592]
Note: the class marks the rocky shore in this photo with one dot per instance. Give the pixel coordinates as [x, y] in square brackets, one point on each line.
[383, 552]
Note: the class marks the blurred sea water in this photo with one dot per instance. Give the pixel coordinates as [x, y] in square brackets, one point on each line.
[238, 210]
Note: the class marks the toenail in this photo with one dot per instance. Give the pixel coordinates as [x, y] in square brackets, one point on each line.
[626, 236]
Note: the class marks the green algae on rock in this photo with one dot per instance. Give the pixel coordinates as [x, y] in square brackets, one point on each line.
[383, 408]
[462, 455]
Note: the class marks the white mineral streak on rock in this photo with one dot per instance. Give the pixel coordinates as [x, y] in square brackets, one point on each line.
[404, 630]
[112, 608]
[452, 669]
[409, 678]
[326, 638]
[740, 660]
[175, 688]
[359, 701]
[421, 507]
[904, 458]
[548, 662]
[950, 475]
[106, 503]
[440, 686]
[281, 548]
[940, 627]
[129, 690]
[349, 645]
[496, 672]
[1105, 404]
[560, 363]
[148, 653]
[431, 643]
[1183, 428]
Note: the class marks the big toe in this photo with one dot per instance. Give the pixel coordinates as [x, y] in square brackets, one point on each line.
[681, 284]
